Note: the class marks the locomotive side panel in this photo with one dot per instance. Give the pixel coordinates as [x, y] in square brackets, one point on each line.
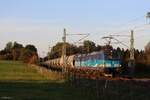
[91, 60]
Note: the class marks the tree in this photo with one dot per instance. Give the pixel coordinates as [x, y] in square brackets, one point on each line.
[31, 48]
[17, 45]
[71, 49]
[119, 53]
[98, 48]
[16, 50]
[29, 54]
[147, 51]
[89, 46]
[9, 47]
[6, 53]
[56, 50]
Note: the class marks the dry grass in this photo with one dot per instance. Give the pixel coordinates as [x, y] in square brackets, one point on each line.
[18, 71]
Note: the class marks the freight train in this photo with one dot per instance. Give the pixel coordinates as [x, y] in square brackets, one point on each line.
[97, 60]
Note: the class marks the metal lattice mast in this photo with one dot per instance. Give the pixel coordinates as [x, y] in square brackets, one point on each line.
[132, 46]
[148, 17]
[132, 60]
[64, 48]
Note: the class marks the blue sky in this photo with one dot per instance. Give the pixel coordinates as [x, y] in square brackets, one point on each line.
[41, 22]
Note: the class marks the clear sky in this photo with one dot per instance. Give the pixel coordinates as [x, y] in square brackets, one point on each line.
[41, 22]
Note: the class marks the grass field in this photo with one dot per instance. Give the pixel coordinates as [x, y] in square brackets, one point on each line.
[41, 91]
[143, 72]
[18, 71]
[19, 81]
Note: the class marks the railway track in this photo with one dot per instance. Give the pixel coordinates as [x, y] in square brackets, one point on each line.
[94, 74]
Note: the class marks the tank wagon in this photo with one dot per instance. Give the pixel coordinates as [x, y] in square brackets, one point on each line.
[96, 60]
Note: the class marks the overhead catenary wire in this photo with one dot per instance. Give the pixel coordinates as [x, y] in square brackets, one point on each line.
[85, 35]
[117, 34]
[136, 28]
[129, 22]
[122, 25]
[121, 34]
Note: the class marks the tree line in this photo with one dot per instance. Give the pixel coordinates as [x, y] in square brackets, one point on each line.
[28, 54]
[142, 57]
[16, 51]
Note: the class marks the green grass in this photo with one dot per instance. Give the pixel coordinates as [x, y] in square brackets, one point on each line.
[19, 81]
[41, 91]
[143, 72]
[142, 75]
[18, 71]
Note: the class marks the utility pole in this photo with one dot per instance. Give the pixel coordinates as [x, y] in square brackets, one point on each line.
[64, 48]
[148, 17]
[132, 60]
[131, 63]
[132, 46]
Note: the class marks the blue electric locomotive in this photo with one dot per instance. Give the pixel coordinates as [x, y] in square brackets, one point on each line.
[99, 60]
